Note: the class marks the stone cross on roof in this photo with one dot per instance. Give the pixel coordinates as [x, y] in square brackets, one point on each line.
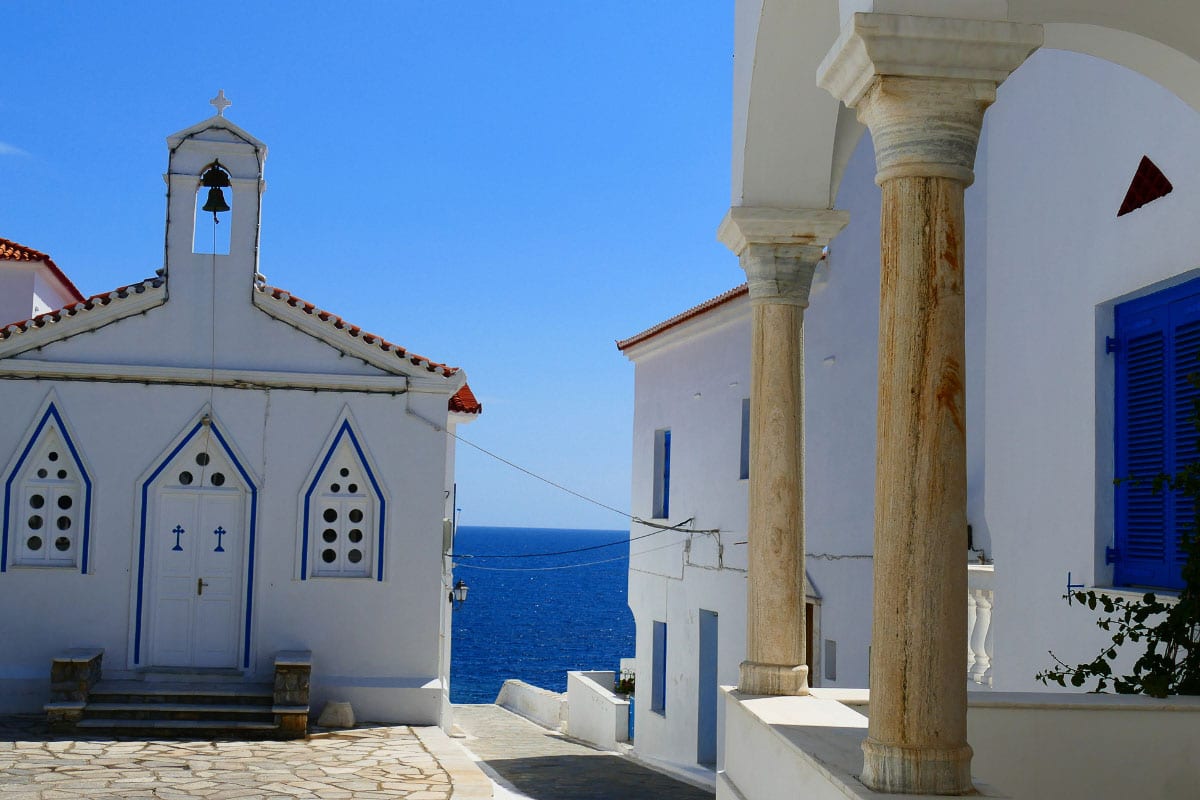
[220, 103]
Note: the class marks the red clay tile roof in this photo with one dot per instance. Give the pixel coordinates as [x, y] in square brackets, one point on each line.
[334, 321]
[83, 305]
[464, 402]
[679, 319]
[11, 251]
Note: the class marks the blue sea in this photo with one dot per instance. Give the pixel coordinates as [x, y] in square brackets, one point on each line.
[524, 621]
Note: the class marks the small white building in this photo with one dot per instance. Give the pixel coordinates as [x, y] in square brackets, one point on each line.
[202, 470]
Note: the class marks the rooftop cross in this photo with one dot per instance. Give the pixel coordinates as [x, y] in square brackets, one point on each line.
[220, 103]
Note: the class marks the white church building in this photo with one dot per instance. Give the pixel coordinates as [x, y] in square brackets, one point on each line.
[959, 330]
[202, 471]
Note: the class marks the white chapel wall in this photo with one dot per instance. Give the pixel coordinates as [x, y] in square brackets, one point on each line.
[1066, 135]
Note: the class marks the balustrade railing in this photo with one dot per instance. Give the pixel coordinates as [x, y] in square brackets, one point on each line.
[980, 601]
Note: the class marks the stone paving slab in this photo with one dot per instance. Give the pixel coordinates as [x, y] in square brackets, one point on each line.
[366, 763]
[543, 765]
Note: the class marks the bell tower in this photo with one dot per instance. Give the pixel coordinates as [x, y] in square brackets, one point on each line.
[214, 190]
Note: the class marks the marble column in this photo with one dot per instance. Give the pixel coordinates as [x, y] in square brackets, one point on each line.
[921, 86]
[779, 250]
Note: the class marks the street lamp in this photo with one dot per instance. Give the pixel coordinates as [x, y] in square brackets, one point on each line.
[458, 595]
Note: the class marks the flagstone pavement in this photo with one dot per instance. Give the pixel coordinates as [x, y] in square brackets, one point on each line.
[368, 763]
[365, 763]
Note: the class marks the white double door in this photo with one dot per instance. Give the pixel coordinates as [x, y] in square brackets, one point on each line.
[199, 572]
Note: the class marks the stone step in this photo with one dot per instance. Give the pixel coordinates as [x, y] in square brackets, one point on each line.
[176, 726]
[180, 711]
[191, 693]
[208, 708]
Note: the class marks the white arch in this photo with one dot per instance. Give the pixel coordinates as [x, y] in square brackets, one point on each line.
[791, 140]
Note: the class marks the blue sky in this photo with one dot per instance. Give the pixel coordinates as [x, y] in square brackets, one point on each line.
[505, 186]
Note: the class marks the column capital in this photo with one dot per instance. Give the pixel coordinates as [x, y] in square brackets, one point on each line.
[921, 84]
[779, 248]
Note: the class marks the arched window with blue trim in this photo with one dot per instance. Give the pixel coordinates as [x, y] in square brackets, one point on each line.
[343, 513]
[47, 500]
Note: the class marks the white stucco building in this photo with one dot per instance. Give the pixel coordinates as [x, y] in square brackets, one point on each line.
[202, 470]
[1035, 340]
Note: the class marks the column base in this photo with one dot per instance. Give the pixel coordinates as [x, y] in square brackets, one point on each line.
[898, 769]
[773, 679]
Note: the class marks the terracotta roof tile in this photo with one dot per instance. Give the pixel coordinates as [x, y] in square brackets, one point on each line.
[11, 251]
[464, 402]
[84, 305]
[353, 330]
[679, 319]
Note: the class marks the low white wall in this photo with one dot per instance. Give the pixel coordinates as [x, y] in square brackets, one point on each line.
[546, 708]
[597, 716]
[1088, 745]
[1028, 746]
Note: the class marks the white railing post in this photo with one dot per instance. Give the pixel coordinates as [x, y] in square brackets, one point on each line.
[980, 601]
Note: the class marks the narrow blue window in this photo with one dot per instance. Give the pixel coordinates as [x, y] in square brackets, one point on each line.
[744, 466]
[662, 473]
[658, 669]
[1157, 348]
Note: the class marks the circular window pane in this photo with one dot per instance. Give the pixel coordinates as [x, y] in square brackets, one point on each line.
[62, 474]
[42, 473]
[218, 479]
[34, 543]
[202, 459]
[185, 478]
[353, 488]
[35, 522]
[345, 473]
[330, 535]
[53, 456]
[335, 487]
[330, 515]
[355, 556]
[328, 556]
[64, 502]
[64, 523]
[62, 544]
[355, 535]
[37, 501]
[356, 515]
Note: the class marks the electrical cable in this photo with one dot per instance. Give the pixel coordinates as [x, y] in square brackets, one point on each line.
[580, 549]
[566, 566]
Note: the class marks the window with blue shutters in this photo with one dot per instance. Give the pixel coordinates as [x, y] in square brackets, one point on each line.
[1157, 346]
[662, 474]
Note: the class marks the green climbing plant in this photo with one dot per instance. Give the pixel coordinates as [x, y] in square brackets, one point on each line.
[1167, 630]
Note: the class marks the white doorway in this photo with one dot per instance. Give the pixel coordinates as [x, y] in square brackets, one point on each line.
[196, 547]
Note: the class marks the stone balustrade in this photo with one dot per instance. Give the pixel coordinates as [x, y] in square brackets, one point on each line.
[981, 598]
[73, 673]
[293, 672]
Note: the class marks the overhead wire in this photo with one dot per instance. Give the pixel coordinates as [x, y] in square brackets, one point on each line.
[579, 549]
[567, 566]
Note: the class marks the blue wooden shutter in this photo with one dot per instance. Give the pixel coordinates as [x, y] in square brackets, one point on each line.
[1158, 338]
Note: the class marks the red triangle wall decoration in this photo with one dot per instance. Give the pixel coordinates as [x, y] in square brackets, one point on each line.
[1148, 184]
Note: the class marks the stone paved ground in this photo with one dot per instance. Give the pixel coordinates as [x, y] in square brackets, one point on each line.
[542, 765]
[381, 763]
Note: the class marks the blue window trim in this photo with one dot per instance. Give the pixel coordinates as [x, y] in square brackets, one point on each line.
[145, 495]
[1150, 333]
[658, 669]
[347, 431]
[84, 548]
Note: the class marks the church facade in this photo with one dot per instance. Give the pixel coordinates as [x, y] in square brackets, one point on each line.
[202, 471]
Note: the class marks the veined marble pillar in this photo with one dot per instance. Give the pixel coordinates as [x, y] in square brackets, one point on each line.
[921, 85]
[779, 250]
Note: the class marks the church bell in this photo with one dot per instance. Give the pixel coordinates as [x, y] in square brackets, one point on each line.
[216, 201]
[214, 178]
